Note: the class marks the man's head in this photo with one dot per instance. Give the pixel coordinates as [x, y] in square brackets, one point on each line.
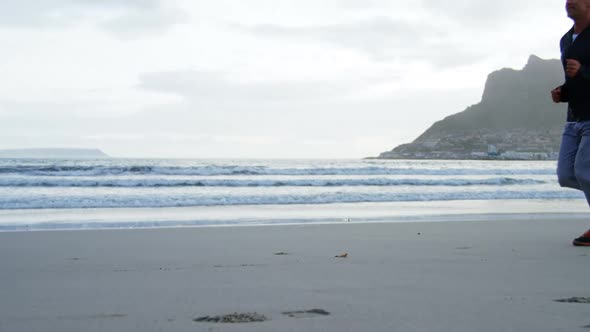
[577, 9]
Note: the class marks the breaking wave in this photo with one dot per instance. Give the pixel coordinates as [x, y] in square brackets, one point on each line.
[186, 200]
[163, 182]
[229, 170]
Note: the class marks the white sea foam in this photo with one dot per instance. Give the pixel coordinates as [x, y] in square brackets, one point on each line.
[45, 181]
[175, 200]
[214, 170]
[490, 210]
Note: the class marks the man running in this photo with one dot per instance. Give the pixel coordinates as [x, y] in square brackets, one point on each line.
[573, 166]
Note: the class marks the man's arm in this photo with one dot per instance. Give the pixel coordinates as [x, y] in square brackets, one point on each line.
[573, 68]
[557, 94]
[564, 93]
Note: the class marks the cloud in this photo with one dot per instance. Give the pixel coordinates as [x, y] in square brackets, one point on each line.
[376, 36]
[382, 38]
[359, 4]
[479, 15]
[33, 13]
[219, 88]
[136, 24]
[130, 18]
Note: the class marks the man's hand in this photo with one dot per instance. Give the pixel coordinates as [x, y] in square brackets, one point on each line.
[572, 67]
[556, 95]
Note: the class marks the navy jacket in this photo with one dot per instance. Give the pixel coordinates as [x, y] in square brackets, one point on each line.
[576, 91]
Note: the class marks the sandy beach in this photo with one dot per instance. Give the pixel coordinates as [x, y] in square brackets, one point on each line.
[468, 275]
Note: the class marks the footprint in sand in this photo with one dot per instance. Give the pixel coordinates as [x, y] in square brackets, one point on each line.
[248, 317]
[92, 317]
[306, 313]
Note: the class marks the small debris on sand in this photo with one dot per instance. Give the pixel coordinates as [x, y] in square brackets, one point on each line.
[249, 317]
[575, 300]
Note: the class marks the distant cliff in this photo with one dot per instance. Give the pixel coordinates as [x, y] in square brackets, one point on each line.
[515, 119]
[53, 153]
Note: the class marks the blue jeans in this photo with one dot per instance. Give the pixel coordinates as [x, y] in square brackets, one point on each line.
[573, 166]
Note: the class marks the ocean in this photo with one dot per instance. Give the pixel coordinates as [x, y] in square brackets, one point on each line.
[133, 193]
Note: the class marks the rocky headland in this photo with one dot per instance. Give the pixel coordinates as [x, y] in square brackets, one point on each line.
[515, 119]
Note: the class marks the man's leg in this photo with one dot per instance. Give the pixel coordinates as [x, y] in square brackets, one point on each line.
[582, 159]
[582, 172]
[566, 174]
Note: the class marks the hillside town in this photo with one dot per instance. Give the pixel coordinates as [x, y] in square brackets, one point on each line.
[515, 144]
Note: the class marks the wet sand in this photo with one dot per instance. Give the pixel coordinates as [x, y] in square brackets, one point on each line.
[468, 275]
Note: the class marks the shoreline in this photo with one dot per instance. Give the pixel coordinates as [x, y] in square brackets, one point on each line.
[137, 218]
[483, 217]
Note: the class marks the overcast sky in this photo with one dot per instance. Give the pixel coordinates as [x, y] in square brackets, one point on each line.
[256, 78]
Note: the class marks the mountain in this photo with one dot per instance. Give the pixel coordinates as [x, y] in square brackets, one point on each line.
[515, 119]
[54, 153]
